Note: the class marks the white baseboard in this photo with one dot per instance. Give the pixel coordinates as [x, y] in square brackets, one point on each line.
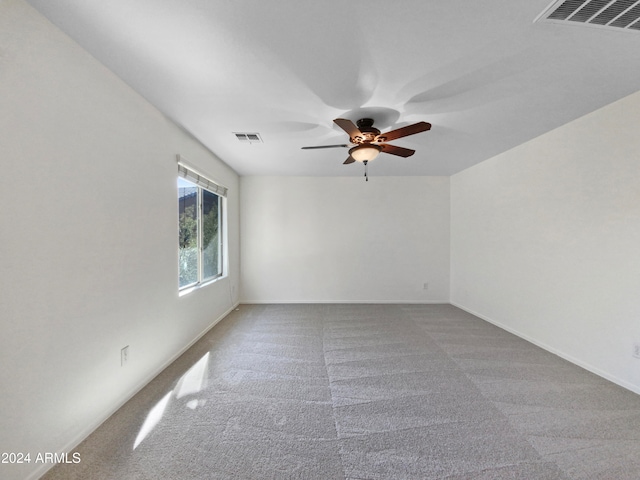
[555, 351]
[103, 418]
[341, 302]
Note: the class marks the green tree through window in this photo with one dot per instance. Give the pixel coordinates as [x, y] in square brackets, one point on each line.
[210, 243]
[199, 234]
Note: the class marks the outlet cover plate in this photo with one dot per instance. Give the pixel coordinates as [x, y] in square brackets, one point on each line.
[124, 356]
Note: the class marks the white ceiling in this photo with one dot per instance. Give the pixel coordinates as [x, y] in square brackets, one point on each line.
[482, 73]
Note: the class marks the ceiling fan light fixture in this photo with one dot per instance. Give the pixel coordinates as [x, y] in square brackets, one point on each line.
[365, 153]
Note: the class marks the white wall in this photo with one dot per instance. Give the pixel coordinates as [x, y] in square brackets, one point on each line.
[88, 259]
[546, 240]
[321, 239]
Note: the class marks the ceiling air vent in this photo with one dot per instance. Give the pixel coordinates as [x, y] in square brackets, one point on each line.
[248, 137]
[615, 14]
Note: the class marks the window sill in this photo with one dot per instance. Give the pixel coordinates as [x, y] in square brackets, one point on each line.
[188, 290]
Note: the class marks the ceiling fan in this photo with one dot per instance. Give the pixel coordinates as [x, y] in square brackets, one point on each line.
[369, 142]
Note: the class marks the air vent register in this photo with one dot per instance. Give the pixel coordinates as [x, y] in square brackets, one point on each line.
[610, 14]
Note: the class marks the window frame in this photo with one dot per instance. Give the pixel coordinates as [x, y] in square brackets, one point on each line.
[188, 174]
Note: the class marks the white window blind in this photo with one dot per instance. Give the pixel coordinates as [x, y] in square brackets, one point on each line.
[191, 173]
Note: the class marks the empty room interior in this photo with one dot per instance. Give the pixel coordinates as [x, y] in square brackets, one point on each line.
[350, 240]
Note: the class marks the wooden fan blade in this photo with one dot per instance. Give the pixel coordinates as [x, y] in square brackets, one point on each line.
[349, 160]
[344, 145]
[399, 151]
[403, 132]
[349, 127]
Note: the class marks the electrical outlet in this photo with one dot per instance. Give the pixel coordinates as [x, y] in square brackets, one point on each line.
[124, 356]
[636, 350]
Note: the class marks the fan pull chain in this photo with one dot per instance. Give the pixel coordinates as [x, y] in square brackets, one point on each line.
[366, 166]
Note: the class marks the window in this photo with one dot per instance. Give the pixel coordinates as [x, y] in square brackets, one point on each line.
[200, 210]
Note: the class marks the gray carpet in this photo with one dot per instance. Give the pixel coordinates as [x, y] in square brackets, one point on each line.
[366, 392]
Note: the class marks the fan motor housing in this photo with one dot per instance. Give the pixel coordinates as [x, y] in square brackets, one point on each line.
[369, 132]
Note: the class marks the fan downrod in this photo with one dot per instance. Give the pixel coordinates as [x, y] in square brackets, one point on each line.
[364, 123]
